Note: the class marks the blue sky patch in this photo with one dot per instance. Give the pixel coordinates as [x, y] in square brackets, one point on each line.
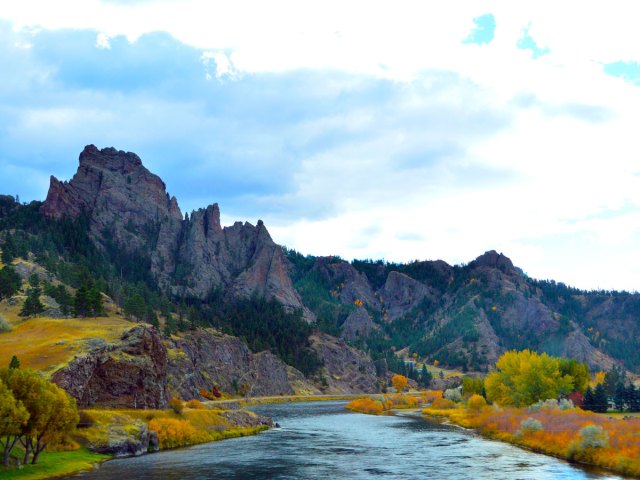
[628, 71]
[528, 43]
[484, 30]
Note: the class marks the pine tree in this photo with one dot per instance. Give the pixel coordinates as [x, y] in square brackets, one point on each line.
[14, 363]
[589, 400]
[8, 249]
[32, 305]
[600, 399]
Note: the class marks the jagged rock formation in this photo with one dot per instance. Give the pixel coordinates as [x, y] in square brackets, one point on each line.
[357, 325]
[129, 374]
[345, 370]
[202, 359]
[128, 208]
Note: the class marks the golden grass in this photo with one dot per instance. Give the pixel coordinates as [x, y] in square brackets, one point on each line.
[558, 435]
[174, 430]
[44, 344]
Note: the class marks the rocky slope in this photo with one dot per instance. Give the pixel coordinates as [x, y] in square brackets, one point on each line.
[128, 208]
[141, 370]
[467, 316]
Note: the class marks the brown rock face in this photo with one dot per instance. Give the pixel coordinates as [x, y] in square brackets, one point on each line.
[129, 208]
[202, 359]
[129, 374]
[345, 370]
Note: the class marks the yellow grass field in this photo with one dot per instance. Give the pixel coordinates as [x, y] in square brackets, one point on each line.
[43, 344]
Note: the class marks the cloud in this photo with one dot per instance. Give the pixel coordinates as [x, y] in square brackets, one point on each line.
[353, 129]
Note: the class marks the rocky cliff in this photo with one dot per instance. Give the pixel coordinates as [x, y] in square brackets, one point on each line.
[199, 360]
[143, 371]
[131, 373]
[129, 209]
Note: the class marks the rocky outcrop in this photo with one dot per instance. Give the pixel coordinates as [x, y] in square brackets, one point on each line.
[358, 325]
[351, 284]
[128, 208]
[202, 359]
[129, 374]
[345, 370]
[402, 293]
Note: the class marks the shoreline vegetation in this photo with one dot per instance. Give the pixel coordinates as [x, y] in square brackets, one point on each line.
[572, 434]
[199, 422]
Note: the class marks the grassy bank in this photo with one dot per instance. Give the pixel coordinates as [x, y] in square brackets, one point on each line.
[574, 435]
[54, 464]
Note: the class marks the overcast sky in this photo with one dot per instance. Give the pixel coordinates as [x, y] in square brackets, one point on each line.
[396, 130]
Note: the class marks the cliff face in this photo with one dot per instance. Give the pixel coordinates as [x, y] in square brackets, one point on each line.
[202, 359]
[128, 208]
[131, 373]
[143, 371]
[345, 370]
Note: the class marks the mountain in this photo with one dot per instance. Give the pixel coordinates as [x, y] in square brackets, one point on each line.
[192, 304]
[128, 209]
[466, 316]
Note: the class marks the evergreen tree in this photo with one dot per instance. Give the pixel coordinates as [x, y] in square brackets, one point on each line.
[425, 376]
[600, 399]
[135, 307]
[589, 401]
[8, 249]
[81, 303]
[619, 398]
[10, 282]
[152, 318]
[32, 305]
[170, 325]
[14, 363]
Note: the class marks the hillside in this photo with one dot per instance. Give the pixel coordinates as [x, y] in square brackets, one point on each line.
[190, 304]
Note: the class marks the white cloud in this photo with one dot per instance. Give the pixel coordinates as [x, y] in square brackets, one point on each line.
[552, 180]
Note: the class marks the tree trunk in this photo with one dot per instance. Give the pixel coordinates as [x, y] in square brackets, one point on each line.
[8, 446]
[39, 447]
[28, 446]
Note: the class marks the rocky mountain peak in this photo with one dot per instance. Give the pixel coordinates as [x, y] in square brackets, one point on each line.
[493, 259]
[129, 209]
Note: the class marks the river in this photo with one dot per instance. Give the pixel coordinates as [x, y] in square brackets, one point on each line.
[321, 440]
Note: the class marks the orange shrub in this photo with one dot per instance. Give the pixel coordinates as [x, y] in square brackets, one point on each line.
[175, 433]
[365, 405]
[476, 402]
[177, 405]
[195, 404]
[443, 404]
[431, 395]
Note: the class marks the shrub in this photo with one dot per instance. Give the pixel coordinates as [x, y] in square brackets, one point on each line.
[175, 433]
[593, 436]
[453, 394]
[476, 402]
[177, 405]
[531, 425]
[4, 325]
[365, 405]
[195, 404]
[443, 404]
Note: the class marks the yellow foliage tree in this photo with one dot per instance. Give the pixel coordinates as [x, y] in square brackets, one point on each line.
[523, 378]
[399, 382]
[476, 402]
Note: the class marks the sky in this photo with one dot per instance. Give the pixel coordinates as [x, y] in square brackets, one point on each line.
[396, 130]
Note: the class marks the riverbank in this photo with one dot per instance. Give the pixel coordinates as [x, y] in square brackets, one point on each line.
[574, 435]
[119, 433]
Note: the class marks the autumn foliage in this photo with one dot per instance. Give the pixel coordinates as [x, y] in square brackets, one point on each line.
[377, 404]
[399, 382]
[195, 404]
[611, 443]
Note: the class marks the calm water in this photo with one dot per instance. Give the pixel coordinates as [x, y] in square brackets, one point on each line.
[323, 441]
